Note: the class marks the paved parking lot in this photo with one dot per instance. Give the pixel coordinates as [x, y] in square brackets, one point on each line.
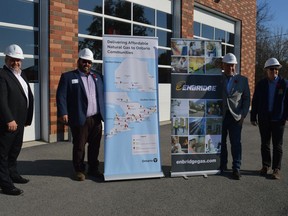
[51, 190]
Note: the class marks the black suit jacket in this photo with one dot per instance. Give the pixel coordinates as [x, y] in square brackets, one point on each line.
[260, 103]
[13, 102]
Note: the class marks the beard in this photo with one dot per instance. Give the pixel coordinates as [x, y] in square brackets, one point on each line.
[84, 69]
[15, 69]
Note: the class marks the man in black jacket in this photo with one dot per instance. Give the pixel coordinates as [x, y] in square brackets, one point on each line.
[269, 111]
[16, 111]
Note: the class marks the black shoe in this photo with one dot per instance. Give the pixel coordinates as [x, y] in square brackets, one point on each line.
[223, 168]
[96, 173]
[236, 175]
[19, 179]
[12, 191]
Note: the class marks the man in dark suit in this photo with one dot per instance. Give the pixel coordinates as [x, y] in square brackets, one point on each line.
[16, 111]
[236, 103]
[80, 104]
[270, 111]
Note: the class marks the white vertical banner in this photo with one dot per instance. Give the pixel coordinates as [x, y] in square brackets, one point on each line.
[131, 133]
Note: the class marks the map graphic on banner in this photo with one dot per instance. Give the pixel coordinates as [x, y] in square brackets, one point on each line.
[196, 106]
[131, 108]
[131, 118]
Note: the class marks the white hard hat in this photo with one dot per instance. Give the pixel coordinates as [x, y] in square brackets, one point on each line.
[272, 62]
[14, 51]
[229, 58]
[86, 54]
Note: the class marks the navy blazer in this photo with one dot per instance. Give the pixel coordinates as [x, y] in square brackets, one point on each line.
[13, 101]
[237, 100]
[260, 103]
[72, 100]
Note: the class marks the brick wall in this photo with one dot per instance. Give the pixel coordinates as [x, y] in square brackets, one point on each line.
[63, 50]
[63, 42]
[243, 10]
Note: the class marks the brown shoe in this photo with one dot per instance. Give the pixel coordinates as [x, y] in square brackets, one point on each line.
[264, 170]
[276, 174]
[80, 176]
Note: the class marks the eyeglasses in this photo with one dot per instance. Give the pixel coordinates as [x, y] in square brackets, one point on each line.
[272, 69]
[14, 59]
[86, 61]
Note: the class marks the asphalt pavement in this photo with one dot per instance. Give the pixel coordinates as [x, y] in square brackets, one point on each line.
[52, 190]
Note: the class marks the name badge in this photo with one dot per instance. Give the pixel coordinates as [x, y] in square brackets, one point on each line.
[74, 81]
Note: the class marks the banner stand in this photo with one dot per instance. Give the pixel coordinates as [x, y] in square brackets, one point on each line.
[131, 133]
[198, 173]
[196, 107]
[133, 176]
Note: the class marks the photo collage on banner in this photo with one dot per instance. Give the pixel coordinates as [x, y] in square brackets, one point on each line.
[196, 106]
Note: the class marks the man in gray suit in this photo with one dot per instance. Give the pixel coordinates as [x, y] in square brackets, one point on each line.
[236, 103]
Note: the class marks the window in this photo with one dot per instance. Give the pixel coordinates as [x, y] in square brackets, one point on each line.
[90, 25]
[118, 8]
[20, 12]
[95, 5]
[164, 57]
[164, 38]
[143, 31]
[143, 14]
[27, 39]
[117, 27]
[124, 18]
[164, 75]
[209, 32]
[230, 38]
[220, 35]
[164, 20]
[19, 25]
[212, 26]
[197, 29]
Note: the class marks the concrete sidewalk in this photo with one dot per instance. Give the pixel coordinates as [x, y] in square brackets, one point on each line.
[51, 190]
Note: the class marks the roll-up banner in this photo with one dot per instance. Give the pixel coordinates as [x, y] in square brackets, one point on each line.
[196, 107]
[131, 134]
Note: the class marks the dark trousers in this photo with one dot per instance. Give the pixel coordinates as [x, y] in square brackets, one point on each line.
[91, 133]
[10, 147]
[232, 128]
[274, 130]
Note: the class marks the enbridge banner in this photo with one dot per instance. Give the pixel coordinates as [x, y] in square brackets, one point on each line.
[131, 133]
[196, 107]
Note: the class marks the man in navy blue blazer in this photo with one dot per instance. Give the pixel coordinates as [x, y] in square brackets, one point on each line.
[80, 104]
[270, 111]
[236, 103]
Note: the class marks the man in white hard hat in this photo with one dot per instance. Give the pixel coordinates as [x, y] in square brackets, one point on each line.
[236, 103]
[270, 111]
[16, 111]
[80, 104]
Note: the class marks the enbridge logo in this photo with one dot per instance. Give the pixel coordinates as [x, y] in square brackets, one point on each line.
[181, 86]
